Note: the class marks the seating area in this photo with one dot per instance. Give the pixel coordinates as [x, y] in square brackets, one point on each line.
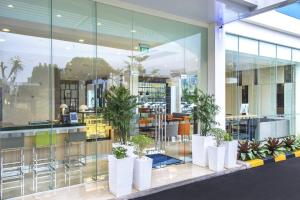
[178, 125]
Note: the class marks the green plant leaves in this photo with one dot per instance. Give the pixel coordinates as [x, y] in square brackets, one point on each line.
[228, 137]
[274, 146]
[119, 152]
[119, 110]
[243, 156]
[205, 109]
[218, 134]
[249, 150]
[141, 142]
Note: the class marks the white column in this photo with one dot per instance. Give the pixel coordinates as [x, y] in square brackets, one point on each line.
[216, 69]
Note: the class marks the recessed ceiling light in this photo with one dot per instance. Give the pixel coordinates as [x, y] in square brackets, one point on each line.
[58, 15]
[81, 40]
[99, 24]
[2, 40]
[10, 6]
[6, 30]
[133, 31]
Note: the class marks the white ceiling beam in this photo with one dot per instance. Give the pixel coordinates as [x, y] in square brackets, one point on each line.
[252, 4]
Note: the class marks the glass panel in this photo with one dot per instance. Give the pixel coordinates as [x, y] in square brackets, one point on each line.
[296, 55]
[55, 70]
[25, 97]
[159, 81]
[114, 48]
[267, 50]
[73, 55]
[284, 53]
[248, 46]
[268, 83]
[231, 42]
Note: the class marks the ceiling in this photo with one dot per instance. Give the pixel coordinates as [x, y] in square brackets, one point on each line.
[207, 11]
[113, 25]
[72, 20]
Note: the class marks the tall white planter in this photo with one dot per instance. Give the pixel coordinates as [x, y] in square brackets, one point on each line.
[231, 148]
[199, 149]
[216, 158]
[120, 172]
[142, 173]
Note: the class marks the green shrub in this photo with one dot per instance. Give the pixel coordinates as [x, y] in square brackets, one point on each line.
[274, 146]
[290, 143]
[258, 150]
[141, 142]
[119, 152]
[244, 151]
[119, 110]
[218, 134]
[228, 137]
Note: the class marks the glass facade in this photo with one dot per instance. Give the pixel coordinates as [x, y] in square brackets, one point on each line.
[59, 55]
[261, 89]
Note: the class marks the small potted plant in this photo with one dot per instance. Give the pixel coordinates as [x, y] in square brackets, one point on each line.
[142, 172]
[231, 148]
[204, 113]
[216, 154]
[120, 172]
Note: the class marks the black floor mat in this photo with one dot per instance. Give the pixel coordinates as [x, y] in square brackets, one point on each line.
[277, 181]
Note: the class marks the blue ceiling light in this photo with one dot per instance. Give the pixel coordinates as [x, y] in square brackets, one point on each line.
[292, 10]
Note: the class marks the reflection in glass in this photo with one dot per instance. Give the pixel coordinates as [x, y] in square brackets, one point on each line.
[267, 83]
[57, 62]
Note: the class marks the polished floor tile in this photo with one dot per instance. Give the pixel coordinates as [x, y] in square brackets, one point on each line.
[99, 190]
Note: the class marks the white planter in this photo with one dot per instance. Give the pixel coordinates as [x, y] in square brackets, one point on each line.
[231, 149]
[142, 173]
[130, 149]
[199, 149]
[216, 158]
[120, 172]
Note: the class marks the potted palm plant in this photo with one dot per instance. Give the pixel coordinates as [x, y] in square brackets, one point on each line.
[204, 114]
[216, 154]
[120, 172]
[142, 165]
[119, 111]
[231, 148]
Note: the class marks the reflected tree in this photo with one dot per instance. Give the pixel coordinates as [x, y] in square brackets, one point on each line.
[17, 66]
[84, 68]
[40, 73]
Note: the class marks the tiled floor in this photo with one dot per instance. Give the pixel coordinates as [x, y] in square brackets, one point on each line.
[99, 190]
